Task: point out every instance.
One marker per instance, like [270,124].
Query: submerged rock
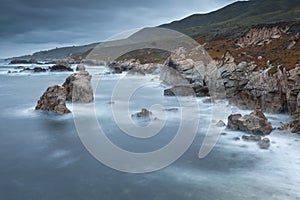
[255,123]
[220,123]
[255,138]
[264,143]
[144,113]
[54,99]
[78,87]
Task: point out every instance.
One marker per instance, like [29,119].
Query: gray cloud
[32,24]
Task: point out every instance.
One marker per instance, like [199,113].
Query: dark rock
[60,68]
[179,91]
[144,113]
[171,109]
[236,138]
[254,138]
[78,87]
[21,61]
[39,69]
[54,99]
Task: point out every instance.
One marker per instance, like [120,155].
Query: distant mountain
[60,53]
[235,17]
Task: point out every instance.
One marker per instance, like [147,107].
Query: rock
[78,87]
[223,133]
[233,121]
[264,143]
[144,113]
[220,123]
[136,71]
[179,91]
[22,61]
[60,68]
[261,35]
[172,77]
[39,69]
[293,126]
[54,99]
[80,67]
[201,91]
[264,90]
[255,138]
[255,123]
[236,138]
[171,109]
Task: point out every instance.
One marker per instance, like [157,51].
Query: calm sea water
[42,156]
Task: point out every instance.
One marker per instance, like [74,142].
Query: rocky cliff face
[262,35]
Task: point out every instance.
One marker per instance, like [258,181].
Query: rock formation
[144,113]
[255,123]
[179,91]
[54,99]
[78,87]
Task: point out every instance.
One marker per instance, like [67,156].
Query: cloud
[39,22]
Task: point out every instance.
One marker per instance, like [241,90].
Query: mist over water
[42,156]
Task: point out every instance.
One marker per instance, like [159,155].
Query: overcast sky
[28,26]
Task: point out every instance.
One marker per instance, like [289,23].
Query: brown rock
[54,99]
[255,123]
[144,113]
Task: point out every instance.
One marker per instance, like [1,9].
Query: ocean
[43,157]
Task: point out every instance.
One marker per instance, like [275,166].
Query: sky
[28,26]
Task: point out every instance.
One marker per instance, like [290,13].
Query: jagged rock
[60,68]
[80,67]
[255,123]
[170,76]
[220,123]
[54,99]
[144,113]
[293,126]
[179,91]
[293,92]
[264,143]
[200,90]
[264,90]
[78,87]
[261,35]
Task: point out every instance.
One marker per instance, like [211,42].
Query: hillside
[236,18]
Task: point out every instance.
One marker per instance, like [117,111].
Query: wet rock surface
[54,99]
[255,123]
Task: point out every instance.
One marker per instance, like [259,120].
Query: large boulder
[78,87]
[54,99]
[170,76]
[255,123]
